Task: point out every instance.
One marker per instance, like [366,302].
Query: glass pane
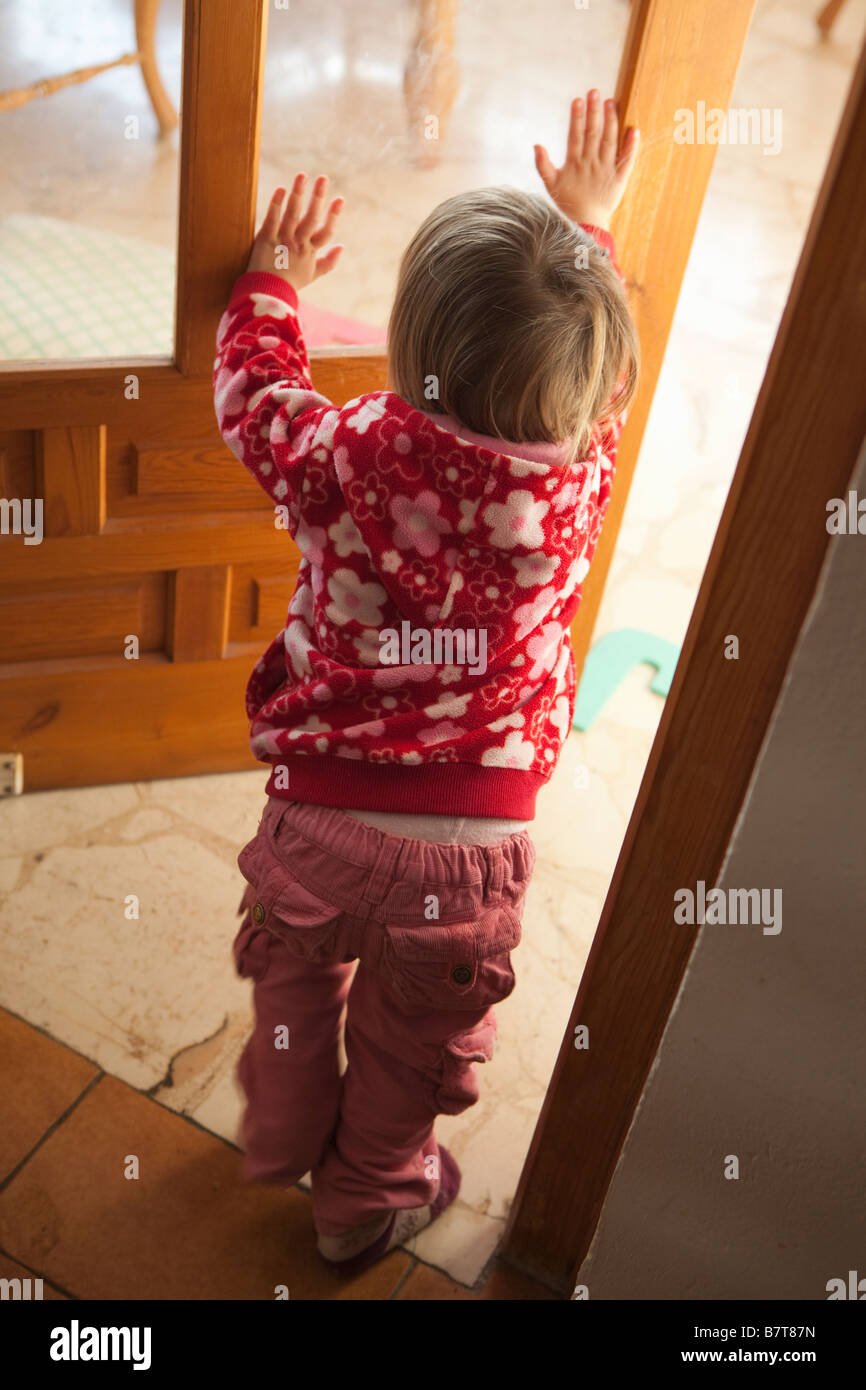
[88,228]
[500,80]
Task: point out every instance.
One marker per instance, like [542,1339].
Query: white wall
[765,1054]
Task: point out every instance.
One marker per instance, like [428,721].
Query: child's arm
[266,408]
[591,183]
[588,189]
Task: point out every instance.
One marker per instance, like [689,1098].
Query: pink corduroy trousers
[431,928]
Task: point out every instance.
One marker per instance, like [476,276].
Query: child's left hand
[293,239]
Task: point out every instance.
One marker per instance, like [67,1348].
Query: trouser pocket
[250,950]
[455,1087]
[280,905]
[452,966]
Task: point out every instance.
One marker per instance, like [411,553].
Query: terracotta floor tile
[504,1283]
[507,1283]
[10,1269]
[39,1079]
[187,1228]
[425,1284]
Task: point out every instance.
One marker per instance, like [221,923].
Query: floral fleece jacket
[406,523]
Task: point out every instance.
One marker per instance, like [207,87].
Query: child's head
[519,316]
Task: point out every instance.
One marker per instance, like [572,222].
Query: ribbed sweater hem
[455,789]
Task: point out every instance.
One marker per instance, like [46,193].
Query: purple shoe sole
[449,1186]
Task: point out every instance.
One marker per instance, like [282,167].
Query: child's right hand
[295,233]
[591,182]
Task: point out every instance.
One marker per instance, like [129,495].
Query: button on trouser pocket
[452,966]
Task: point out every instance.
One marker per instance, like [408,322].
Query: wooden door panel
[199,609]
[260,597]
[177,476]
[46,618]
[80,723]
[202,539]
[71,479]
[152,528]
[18,463]
[198,574]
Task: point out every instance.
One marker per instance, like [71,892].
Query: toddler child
[420,693]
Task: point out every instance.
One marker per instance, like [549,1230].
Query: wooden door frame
[674,56]
[801,450]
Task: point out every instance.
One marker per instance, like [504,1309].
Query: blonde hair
[518,315]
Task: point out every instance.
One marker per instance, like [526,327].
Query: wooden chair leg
[431,79]
[828,16]
[145,30]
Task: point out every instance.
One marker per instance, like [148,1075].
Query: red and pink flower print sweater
[407,524]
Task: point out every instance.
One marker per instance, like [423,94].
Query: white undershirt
[442,830]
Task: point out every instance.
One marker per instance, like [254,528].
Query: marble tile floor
[152,1005]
